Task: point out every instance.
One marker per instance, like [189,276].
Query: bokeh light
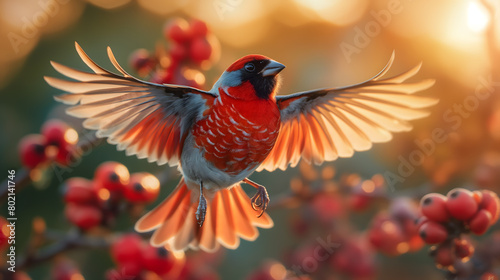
[477,17]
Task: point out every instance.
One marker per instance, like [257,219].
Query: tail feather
[229,217]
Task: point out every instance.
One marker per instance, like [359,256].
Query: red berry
[488,276]
[433,232]
[198,28]
[59,140]
[491,203]
[478,196]
[157,260]
[420,221]
[130,269]
[143,187]
[83,216]
[141,61]
[359,201]
[177,30]
[32,150]
[65,270]
[58,133]
[79,190]
[387,236]
[463,248]
[127,248]
[327,206]
[433,206]
[444,256]
[461,204]
[178,52]
[200,50]
[480,223]
[112,176]
[65,155]
[4,232]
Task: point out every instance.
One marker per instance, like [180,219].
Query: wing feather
[143,118]
[328,123]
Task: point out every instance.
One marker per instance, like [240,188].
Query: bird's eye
[250,67]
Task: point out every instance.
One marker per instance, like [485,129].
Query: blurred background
[323,44]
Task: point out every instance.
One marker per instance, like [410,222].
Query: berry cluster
[55,143]
[64,269]
[133,256]
[394,232]
[364,192]
[138,260]
[446,218]
[192,46]
[94,202]
[354,258]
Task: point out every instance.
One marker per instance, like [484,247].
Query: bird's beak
[272,68]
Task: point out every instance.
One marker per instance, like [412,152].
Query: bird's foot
[201,211]
[260,200]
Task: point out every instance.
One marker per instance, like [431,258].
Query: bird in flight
[218,138]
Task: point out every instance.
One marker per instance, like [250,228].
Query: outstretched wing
[146,119]
[322,125]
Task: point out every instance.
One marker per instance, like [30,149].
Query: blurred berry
[54,132]
[327,206]
[443,256]
[142,62]
[177,30]
[178,53]
[463,248]
[64,269]
[79,190]
[198,28]
[158,260]
[111,176]
[127,248]
[354,258]
[32,150]
[200,50]
[143,187]
[83,216]
[4,232]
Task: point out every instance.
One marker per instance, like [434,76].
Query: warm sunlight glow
[336,11]
[150,182]
[477,17]
[122,172]
[403,247]
[71,136]
[368,186]
[178,255]
[277,271]
[103,194]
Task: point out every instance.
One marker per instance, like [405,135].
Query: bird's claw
[260,200]
[201,210]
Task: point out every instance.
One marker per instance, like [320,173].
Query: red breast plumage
[234,129]
[238,134]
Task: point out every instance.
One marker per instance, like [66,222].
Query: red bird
[218,138]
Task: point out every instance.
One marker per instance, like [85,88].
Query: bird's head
[250,77]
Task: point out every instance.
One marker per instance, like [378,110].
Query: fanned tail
[229,217]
